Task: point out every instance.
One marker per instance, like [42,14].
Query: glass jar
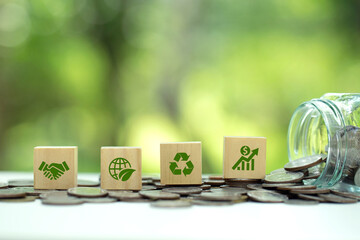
[329,125]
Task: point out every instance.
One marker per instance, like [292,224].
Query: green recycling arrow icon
[174,168]
[183,156]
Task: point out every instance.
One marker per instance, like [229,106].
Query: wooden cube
[55,167]
[244,157]
[121,168]
[180,163]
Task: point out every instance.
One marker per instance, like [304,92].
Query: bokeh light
[138,73]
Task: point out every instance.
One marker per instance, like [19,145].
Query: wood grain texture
[248,166]
[52,157]
[167,154]
[131,154]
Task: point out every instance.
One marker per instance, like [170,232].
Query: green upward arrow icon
[246,159]
[254,152]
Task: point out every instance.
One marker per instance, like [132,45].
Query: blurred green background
[97,73]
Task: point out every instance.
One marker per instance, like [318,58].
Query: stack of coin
[284,185]
[346,142]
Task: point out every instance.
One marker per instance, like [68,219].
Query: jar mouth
[312,130]
[307,133]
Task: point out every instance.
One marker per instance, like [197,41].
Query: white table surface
[122,220]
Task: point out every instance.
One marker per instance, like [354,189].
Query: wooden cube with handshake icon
[55,167]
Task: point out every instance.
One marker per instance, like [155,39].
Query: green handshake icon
[54,170]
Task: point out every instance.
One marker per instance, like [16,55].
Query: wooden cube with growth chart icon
[181,163]
[121,168]
[55,167]
[244,157]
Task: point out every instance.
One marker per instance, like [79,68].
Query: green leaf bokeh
[137,73]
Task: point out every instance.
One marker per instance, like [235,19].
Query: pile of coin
[284,185]
[346,142]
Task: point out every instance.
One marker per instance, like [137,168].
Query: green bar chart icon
[246,163]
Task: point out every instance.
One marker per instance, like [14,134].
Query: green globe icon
[117,165]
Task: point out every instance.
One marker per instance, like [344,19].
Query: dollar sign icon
[245,150]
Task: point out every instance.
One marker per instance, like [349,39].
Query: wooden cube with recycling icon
[181,163]
[244,157]
[55,167]
[121,168]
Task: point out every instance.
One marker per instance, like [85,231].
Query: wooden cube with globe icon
[121,168]
[181,163]
[244,157]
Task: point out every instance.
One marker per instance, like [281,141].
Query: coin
[158,185]
[243,198]
[10,193]
[242,180]
[267,196]
[214,182]
[99,200]
[287,177]
[310,191]
[87,183]
[155,179]
[54,194]
[280,170]
[147,182]
[345,194]
[303,163]
[337,199]
[312,175]
[301,202]
[311,197]
[206,187]
[276,185]
[24,199]
[297,187]
[171,204]
[237,182]
[148,187]
[30,191]
[23,189]
[138,200]
[236,190]
[159,195]
[192,196]
[3,185]
[21,183]
[357,177]
[254,186]
[37,192]
[211,203]
[115,193]
[87,192]
[125,195]
[317,168]
[221,196]
[183,191]
[62,201]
